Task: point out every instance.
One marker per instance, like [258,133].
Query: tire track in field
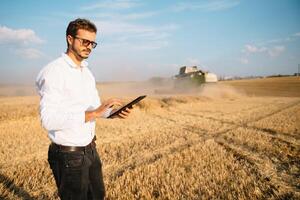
[144,158]
[278,169]
[143,143]
[231,113]
[255,161]
[268,190]
[138,159]
[182,142]
[132,162]
[284,178]
[296,103]
[283,182]
[176,149]
[273,133]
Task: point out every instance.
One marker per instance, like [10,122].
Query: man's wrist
[90,115]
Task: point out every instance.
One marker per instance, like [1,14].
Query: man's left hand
[124,114]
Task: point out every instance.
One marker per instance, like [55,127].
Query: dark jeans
[78,175]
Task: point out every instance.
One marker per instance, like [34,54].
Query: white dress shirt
[66,92]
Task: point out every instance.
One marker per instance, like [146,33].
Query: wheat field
[233,140]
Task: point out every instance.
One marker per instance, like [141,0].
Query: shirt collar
[71,63]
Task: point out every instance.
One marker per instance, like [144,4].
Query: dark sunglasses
[86,42]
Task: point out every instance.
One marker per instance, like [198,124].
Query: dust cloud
[167,87]
[220,91]
[17,90]
[152,88]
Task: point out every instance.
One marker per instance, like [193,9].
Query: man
[69,105]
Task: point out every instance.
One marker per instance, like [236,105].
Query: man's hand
[124,114]
[90,115]
[106,105]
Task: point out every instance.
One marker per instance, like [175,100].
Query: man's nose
[90,46]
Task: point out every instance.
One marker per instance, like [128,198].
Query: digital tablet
[129,105]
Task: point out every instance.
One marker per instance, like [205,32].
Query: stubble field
[232,140]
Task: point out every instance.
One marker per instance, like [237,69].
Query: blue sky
[142,39]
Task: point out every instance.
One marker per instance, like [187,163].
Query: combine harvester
[192,76]
[189,78]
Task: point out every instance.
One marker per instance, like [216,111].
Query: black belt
[74,148]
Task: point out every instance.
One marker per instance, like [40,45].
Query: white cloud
[20,42]
[250,48]
[28,53]
[279,41]
[297,34]
[18,36]
[206,6]
[254,49]
[274,51]
[115,27]
[121,27]
[114,5]
[135,36]
[122,33]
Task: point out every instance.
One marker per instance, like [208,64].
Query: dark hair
[77,24]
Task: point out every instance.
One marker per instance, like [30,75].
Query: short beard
[77,54]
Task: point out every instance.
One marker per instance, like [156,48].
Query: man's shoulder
[56,64]
[52,72]
[54,67]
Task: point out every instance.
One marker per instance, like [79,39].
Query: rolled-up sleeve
[97,102]
[54,116]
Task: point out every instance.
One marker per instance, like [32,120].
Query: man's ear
[70,40]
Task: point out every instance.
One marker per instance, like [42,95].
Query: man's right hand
[106,105]
[90,115]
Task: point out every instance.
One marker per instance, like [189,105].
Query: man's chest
[78,84]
